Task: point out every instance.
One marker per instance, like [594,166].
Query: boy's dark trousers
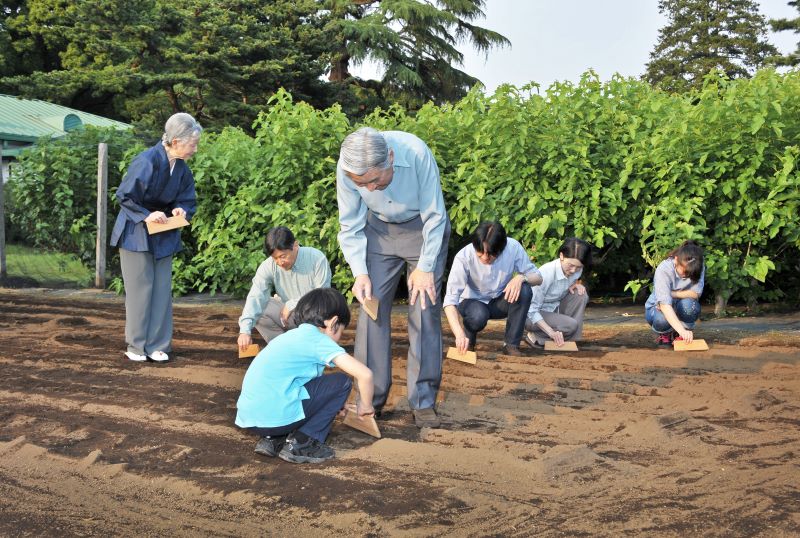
[327,396]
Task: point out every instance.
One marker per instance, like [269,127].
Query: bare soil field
[618,439]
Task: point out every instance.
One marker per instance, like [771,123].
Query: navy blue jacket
[147,187]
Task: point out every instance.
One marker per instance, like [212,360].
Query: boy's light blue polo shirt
[272,389]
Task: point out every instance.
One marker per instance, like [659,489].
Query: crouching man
[490,279]
[289,272]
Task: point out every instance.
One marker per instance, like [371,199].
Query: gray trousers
[391,248]
[568,319]
[269,324]
[148,301]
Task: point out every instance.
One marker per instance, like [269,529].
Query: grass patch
[30,267]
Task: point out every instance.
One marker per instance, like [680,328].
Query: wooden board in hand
[370,306]
[362,424]
[552,346]
[171,224]
[468,356]
[250,351]
[696,345]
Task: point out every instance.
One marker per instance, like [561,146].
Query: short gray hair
[363,150]
[180,126]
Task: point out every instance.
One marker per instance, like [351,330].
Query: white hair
[180,126]
[363,150]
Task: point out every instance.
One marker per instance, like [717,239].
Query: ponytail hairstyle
[690,256]
[579,250]
[319,305]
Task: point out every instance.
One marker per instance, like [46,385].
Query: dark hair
[493,235]
[690,256]
[278,238]
[321,304]
[577,249]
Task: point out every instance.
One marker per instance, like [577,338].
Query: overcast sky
[560,39]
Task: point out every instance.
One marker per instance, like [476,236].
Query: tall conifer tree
[793,25]
[413,40]
[706,35]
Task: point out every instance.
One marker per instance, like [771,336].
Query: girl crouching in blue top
[674,306]
[285,396]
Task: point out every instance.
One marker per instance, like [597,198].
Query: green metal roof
[26,120]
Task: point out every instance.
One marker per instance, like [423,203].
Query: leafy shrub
[633,170]
[54,190]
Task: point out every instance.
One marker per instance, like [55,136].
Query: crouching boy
[285,397]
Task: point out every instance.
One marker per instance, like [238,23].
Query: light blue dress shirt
[309,272]
[554,287]
[666,280]
[414,191]
[471,279]
[273,387]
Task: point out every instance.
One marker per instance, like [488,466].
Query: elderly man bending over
[290,272]
[392,219]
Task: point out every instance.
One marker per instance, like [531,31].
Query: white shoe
[159,356]
[135,356]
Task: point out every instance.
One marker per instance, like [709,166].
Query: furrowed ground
[617,439]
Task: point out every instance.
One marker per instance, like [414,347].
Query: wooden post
[102,209]
[3,269]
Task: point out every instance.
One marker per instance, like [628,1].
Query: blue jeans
[687,310]
[327,396]
[476,314]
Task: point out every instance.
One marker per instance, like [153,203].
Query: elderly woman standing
[158,183]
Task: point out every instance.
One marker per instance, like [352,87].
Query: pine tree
[781,25]
[706,35]
[413,40]
[143,60]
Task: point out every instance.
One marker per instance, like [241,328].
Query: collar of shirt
[400,160]
[559,270]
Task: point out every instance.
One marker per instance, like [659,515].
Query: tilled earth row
[619,438]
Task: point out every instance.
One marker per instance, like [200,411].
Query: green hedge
[629,168]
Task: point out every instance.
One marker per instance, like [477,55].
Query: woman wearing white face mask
[558,304]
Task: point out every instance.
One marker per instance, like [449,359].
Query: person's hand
[578,288]
[558,338]
[511,292]
[462,343]
[245,340]
[420,283]
[285,313]
[364,409]
[156,216]
[687,335]
[362,288]
[179,212]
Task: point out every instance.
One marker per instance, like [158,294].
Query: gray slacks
[568,319]
[391,248]
[148,301]
[269,324]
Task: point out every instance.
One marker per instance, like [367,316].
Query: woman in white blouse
[558,303]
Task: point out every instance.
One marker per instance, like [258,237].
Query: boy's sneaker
[312,451]
[270,446]
[665,339]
